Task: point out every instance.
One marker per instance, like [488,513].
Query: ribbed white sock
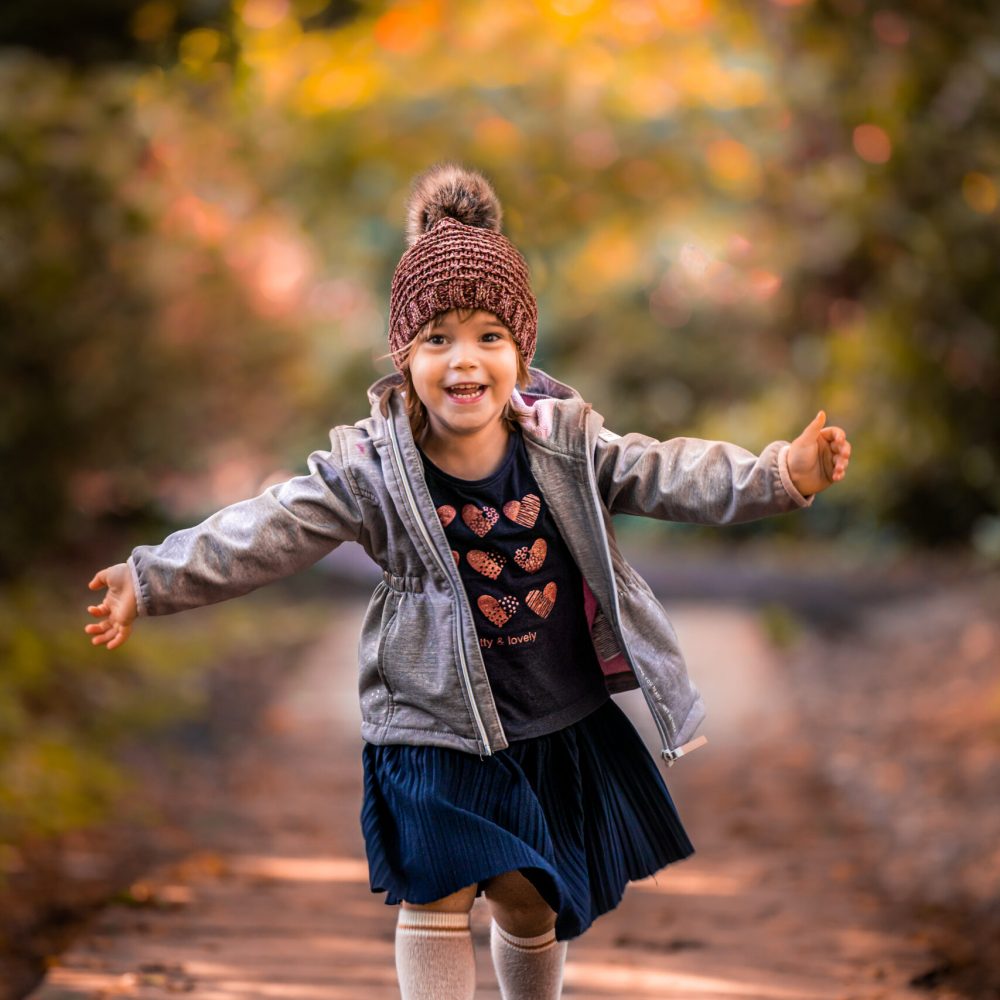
[528,968]
[434,956]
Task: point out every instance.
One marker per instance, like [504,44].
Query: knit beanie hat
[457,257]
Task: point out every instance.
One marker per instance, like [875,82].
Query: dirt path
[273,900]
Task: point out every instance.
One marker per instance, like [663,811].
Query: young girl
[495,761]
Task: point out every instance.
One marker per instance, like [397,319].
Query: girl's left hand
[819,456]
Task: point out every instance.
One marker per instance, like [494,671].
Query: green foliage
[67,707]
[138,343]
[734,216]
[901,171]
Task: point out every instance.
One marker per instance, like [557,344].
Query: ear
[523,374]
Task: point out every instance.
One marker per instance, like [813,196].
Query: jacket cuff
[140,602]
[786,479]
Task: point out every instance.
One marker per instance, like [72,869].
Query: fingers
[840,450]
[108,634]
[122,634]
[102,633]
[835,453]
[814,425]
[841,453]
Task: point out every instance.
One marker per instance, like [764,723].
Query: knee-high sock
[434,956]
[528,968]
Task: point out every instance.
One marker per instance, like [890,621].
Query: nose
[462,357]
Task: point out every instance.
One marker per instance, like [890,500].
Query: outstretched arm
[715,482]
[249,544]
[693,479]
[238,549]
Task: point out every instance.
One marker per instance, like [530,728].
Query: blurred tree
[151,300]
[92,32]
[733,215]
[888,199]
[95,32]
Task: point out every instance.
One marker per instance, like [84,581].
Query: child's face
[478,355]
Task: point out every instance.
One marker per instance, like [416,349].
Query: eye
[491,333]
[435,338]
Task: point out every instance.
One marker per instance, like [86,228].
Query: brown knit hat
[459,258]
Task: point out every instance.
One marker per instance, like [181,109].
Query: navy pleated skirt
[579,812]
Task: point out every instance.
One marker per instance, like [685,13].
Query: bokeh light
[872,143]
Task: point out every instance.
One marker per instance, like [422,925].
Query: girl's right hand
[118,609]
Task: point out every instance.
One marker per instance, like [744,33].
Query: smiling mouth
[466,392]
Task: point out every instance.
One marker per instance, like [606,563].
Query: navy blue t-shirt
[525,592]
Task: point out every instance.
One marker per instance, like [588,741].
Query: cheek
[509,366]
[420,373]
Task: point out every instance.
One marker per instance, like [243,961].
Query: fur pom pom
[448,190]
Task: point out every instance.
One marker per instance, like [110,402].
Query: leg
[434,956]
[516,905]
[457,902]
[528,960]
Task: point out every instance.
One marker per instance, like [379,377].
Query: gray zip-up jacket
[422,679]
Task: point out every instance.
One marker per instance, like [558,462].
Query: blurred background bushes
[734,214]
[64,723]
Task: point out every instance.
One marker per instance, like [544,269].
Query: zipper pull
[672,756]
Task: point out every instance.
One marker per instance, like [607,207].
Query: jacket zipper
[414,510]
[667,753]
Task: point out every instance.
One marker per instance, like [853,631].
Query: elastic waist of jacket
[412,583]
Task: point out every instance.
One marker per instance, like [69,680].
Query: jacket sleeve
[251,543]
[691,479]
